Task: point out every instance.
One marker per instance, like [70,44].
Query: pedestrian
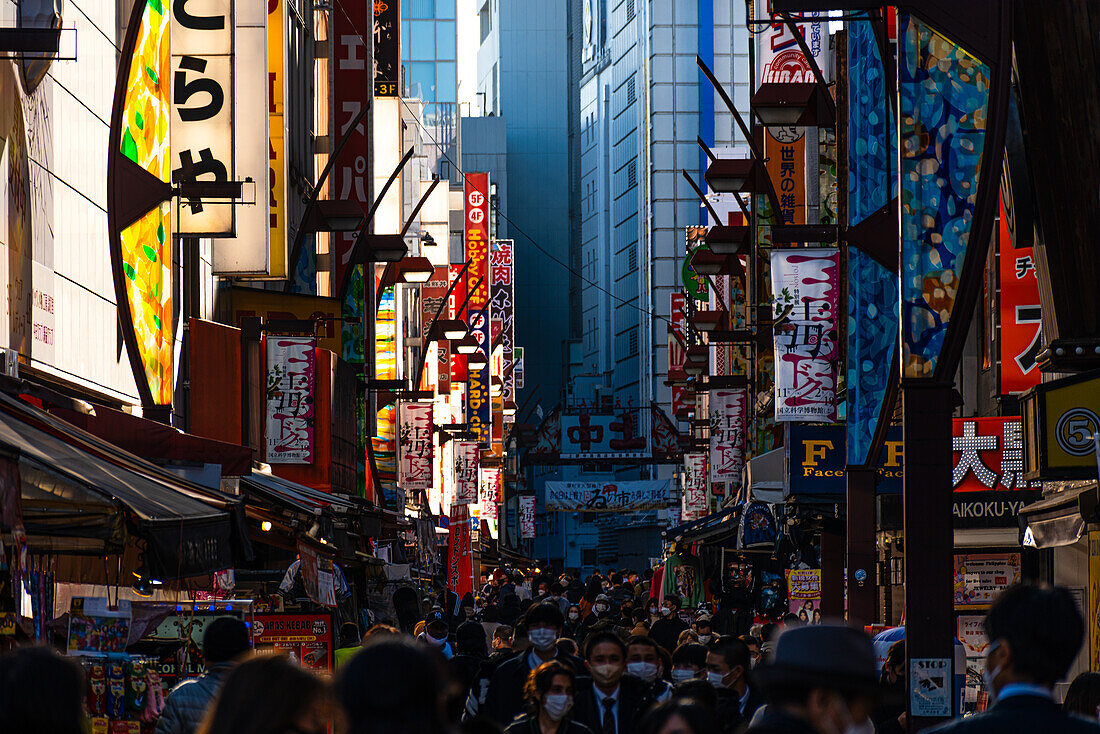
[224,643]
[504,698]
[688,635]
[889,715]
[601,613]
[293,700]
[823,680]
[666,630]
[394,686]
[1083,696]
[728,669]
[679,716]
[350,640]
[612,702]
[503,637]
[1034,635]
[549,695]
[435,633]
[703,628]
[471,651]
[643,660]
[689,662]
[41,692]
[754,644]
[572,621]
[557,596]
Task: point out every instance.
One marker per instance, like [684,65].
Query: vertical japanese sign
[489,495]
[456,311]
[277,127]
[805,292]
[417,452]
[351,85]
[432,294]
[502,300]
[695,486]
[387,48]
[527,517]
[728,421]
[1021,328]
[289,389]
[201,130]
[476,225]
[677,355]
[785,148]
[467,459]
[460,578]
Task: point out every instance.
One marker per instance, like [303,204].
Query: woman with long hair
[269,694]
[549,698]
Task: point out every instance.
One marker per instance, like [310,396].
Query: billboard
[988,454]
[607,496]
[1021,327]
[289,406]
[816,461]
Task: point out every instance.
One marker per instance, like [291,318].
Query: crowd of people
[524,664]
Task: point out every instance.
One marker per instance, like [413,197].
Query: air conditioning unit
[9,365]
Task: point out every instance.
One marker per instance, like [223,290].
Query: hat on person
[703,618]
[832,656]
[604,598]
[435,616]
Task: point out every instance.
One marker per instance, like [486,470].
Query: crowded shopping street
[549,367]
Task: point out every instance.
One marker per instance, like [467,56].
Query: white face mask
[574,616]
[716,679]
[645,670]
[557,705]
[601,608]
[543,638]
[666,611]
[704,639]
[679,675]
[989,677]
[434,641]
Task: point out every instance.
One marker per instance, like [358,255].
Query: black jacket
[528,724]
[666,631]
[728,709]
[777,722]
[1021,714]
[504,698]
[635,698]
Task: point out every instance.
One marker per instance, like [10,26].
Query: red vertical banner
[351,84]
[476,224]
[460,567]
[677,355]
[1021,330]
[456,311]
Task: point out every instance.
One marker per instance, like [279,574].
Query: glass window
[423,8]
[445,41]
[422,40]
[445,82]
[444,8]
[422,81]
[405,41]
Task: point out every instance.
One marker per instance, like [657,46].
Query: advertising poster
[930,686]
[1021,328]
[95,629]
[695,486]
[527,517]
[306,638]
[805,292]
[804,593]
[460,578]
[980,577]
[728,419]
[467,459]
[476,225]
[417,450]
[607,496]
[289,393]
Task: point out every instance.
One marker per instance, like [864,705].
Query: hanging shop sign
[804,593]
[993,509]
[785,148]
[527,517]
[682,397]
[805,292]
[289,390]
[695,285]
[695,487]
[467,459]
[607,496]
[728,419]
[277,133]
[502,305]
[1060,418]
[387,48]
[980,577]
[432,294]
[517,370]
[455,311]
[417,450]
[489,495]
[255,302]
[476,227]
[816,462]
[460,574]
[611,438]
[306,638]
[779,59]
[987,454]
[1021,335]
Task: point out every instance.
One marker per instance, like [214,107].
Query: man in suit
[1034,636]
[613,702]
[728,664]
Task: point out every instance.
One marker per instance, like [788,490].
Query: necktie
[608,716]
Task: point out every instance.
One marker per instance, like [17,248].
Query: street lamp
[705,262]
[707,320]
[453,329]
[383,248]
[416,269]
[698,355]
[476,360]
[510,408]
[728,240]
[468,345]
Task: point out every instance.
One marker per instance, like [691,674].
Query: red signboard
[476,226]
[432,294]
[1021,330]
[988,453]
[306,638]
[351,82]
[455,311]
[460,578]
[682,398]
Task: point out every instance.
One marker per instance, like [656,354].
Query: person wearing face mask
[1034,635]
[822,680]
[504,698]
[666,630]
[728,667]
[689,662]
[600,618]
[435,633]
[549,698]
[612,702]
[572,622]
[643,660]
[654,611]
[703,628]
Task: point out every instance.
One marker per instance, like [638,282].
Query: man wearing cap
[822,681]
[1034,634]
[435,633]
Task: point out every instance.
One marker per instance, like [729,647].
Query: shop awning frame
[1061,518]
[714,527]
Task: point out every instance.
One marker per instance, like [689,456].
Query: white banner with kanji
[527,517]
[695,487]
[728,418]
[414,442]
[467,458]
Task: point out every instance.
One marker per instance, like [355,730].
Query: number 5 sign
[1061,419]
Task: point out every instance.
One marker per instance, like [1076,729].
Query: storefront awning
[766,474]
[1060,518]
[298,496]
[709,528]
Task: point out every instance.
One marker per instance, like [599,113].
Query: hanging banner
[682,397]
[805,296]
[467,458]
[502,306]
[1021,328]
[527,517]
[417,451]
[387,48]
[290,381]
[476,218]
[804,594]
[607,496]
[695,487]
[455,311]
[460,578]
[489,495]
[729,411]
[432,294]
[277,131]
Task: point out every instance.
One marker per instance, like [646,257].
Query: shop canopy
[81,495]
[1060,518]
[766,473]
[715,527]
[299,497]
